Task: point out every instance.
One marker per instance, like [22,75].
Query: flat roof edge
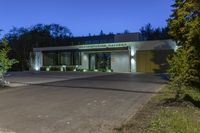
[103,45]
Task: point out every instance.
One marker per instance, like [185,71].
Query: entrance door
[103,61]
[100,61]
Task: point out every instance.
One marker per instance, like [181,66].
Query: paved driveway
[90,103]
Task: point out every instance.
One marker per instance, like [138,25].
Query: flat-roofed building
[132,56]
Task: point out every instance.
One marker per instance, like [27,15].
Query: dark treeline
[23,40]
[150,33]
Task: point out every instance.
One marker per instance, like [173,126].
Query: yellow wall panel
[152,61]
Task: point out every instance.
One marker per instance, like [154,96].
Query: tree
[150,33]
[146,32]
[0,32]
[23,40]
[5,62]
[126,31]
[184,28]
[57,30]
[101,33]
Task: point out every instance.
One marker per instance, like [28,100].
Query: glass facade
[100,61]
[61,58]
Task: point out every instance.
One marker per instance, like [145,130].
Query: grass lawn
[164,114]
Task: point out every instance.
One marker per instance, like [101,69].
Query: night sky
[85,16]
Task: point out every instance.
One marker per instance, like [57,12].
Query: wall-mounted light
[133,51]
[133,58]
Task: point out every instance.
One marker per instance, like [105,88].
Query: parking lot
[74,102]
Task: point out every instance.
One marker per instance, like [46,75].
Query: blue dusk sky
[85,16]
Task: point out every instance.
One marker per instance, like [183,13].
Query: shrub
[79,69]
[55,68]
[70,68]
[183,69]
[43,68]
[5,62]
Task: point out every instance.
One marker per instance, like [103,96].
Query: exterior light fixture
[133,58]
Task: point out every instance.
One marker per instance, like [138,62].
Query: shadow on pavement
[98,88]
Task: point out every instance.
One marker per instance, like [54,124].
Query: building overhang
[139,45]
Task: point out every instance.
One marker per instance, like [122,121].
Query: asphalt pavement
[74,102]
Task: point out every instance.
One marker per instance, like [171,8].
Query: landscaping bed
[165,114]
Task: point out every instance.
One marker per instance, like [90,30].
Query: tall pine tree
[184,27]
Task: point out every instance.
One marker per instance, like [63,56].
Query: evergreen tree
[23,40]
[150,33]
[184,28]
[101,33]
[126,31]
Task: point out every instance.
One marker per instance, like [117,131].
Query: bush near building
[5,62]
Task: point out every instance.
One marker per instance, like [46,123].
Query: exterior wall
[120,61]
[153,61]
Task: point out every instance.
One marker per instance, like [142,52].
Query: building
[120,53]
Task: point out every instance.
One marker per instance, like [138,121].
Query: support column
[85,60]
